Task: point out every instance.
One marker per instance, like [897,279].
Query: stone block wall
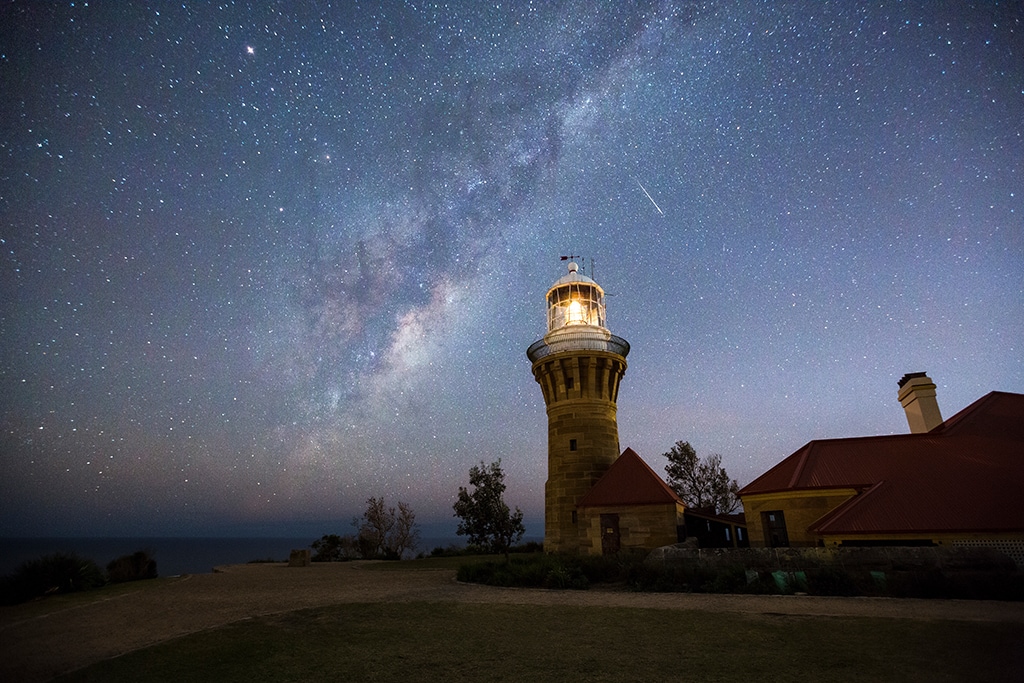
[800,508]
[579,388]
[640,526]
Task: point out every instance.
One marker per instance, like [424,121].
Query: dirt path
[41,640]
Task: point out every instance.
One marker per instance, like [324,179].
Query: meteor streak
[649,196]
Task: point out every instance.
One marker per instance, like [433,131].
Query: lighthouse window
[572,444]
[575,304]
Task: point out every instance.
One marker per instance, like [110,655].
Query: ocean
[173,555]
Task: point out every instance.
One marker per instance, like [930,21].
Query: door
[609,534]
[774,523]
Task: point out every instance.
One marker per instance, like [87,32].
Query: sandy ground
[37,643]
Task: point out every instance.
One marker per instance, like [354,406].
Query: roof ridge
[956,421]
[847,506]
[611,483]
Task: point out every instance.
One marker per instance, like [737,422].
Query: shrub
[646,577]
[609,568]
[564,577]
[528,547]
[728,579]
[335,548]
[533,571]
[135,567]
[544,571]
[832,580]
[56,573]
[731,573]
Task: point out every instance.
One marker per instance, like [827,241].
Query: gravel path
[37,643]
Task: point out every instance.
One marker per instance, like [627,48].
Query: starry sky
[262,261]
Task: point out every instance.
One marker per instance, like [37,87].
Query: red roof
[964,475]
[629,481]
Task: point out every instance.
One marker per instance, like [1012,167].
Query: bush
[335,548]
[724,572]
[542,571]
[56,573]
[729,579]
[135,567]
[832,580]
[470,549]
[524,572]
[566,578]
[528,547]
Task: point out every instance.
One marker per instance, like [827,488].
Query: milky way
[262,263]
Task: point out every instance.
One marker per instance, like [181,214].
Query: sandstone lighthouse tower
[578,365]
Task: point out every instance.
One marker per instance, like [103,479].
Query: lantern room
[575,300]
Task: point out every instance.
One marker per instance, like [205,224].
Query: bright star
[250,49]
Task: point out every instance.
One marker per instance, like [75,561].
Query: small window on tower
[570,382]
[572,444]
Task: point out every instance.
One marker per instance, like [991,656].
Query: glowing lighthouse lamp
[575,300]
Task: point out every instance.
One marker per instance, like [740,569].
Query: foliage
[383,532]
[726,573]
[405,534]
[56,573]
[533,571]
[453,550]
[701,484]
[334,548]
[576,572]
[484,516]
[139,565]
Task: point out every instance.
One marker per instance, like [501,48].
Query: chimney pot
[917,395]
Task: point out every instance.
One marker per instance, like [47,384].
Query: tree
[701,484]
[373,527]
[484,515]
[335,548]
[405,535]
[383,532]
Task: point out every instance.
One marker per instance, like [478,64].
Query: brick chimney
[917,394]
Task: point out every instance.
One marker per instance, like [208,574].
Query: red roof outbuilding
[965,475]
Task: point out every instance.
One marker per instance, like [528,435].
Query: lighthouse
[578,364]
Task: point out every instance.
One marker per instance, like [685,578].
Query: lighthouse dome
[575,299]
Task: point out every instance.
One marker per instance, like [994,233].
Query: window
[570,382]
[572,444]
[573,516]
[576,303]
[774,523]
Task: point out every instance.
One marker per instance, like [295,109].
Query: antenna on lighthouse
[573,265]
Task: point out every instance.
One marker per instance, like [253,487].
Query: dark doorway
[609,534]
[774,523]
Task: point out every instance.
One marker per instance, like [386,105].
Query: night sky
[262,263]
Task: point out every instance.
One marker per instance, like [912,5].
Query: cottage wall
[800,510]
[640,526]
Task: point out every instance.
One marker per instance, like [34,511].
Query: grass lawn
[467,642]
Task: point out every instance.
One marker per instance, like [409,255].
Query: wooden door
[609,534]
